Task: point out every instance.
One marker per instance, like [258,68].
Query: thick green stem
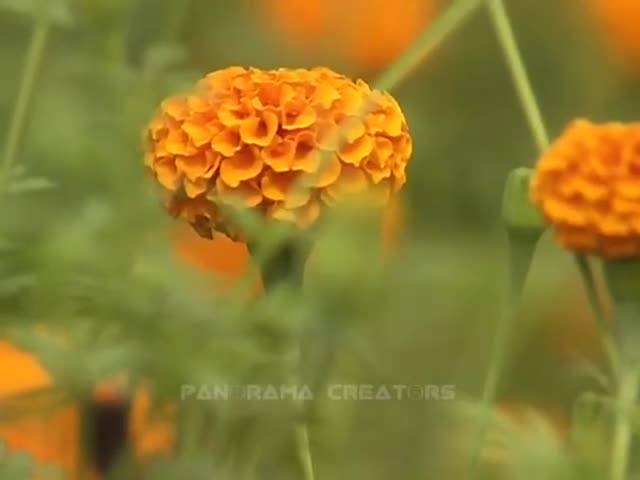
[287,263]
[29,76]
[623,434]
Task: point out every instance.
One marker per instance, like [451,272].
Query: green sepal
[517,210]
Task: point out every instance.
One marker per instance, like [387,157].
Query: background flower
[618,21]
[368,34]
[588,187]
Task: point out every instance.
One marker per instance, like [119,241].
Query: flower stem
[287,264]
[608,341]
[445,24]
[29,76]
[527,98]
[519,75]
[627,395]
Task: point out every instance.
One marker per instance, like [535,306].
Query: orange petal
[324,95]
[354,152]
[351,180]
[243,165]
[279,155]
[259,130]
[177,143]
[248,193]
[227,142]
[327,135]
[285,187]
[306,157]
[296,114]
[328,172]
[175,107]
[167,173]
[273,95]
[196,187]
[233,115]
[198,133]
[192,167]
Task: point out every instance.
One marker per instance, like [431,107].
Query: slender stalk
[518,72]
[304,451]
[444,25]
[608,341]
[30,73]
[627,395]
[526,95]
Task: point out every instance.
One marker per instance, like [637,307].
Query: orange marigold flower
[588,187]
[369,34]
[254,138]
[619,20]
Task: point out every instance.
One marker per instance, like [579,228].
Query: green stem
[444,25]
[287,263]
[304,451]
[518,72]
[498,356]
[627,395]
[29,76]
[608,340]
[531,109]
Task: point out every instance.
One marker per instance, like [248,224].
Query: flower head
[588,187]
[251,137]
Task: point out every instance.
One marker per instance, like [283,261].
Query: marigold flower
[368,34]
[588,187]
[50,432]
[253,137]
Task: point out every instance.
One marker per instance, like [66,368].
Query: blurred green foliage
[85,248]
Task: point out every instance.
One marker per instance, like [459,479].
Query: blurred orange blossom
[369,34]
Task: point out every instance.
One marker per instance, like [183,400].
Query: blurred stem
[29,76]
[445,24]
[287,264]
[510,49]
[608,341]
[530,106]
[627,395]
[514,286]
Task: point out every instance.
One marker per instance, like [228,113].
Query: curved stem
[29,76]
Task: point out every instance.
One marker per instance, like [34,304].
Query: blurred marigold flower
[34,420]
[250,137]
[619,20]
[368,34]
[587,186]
